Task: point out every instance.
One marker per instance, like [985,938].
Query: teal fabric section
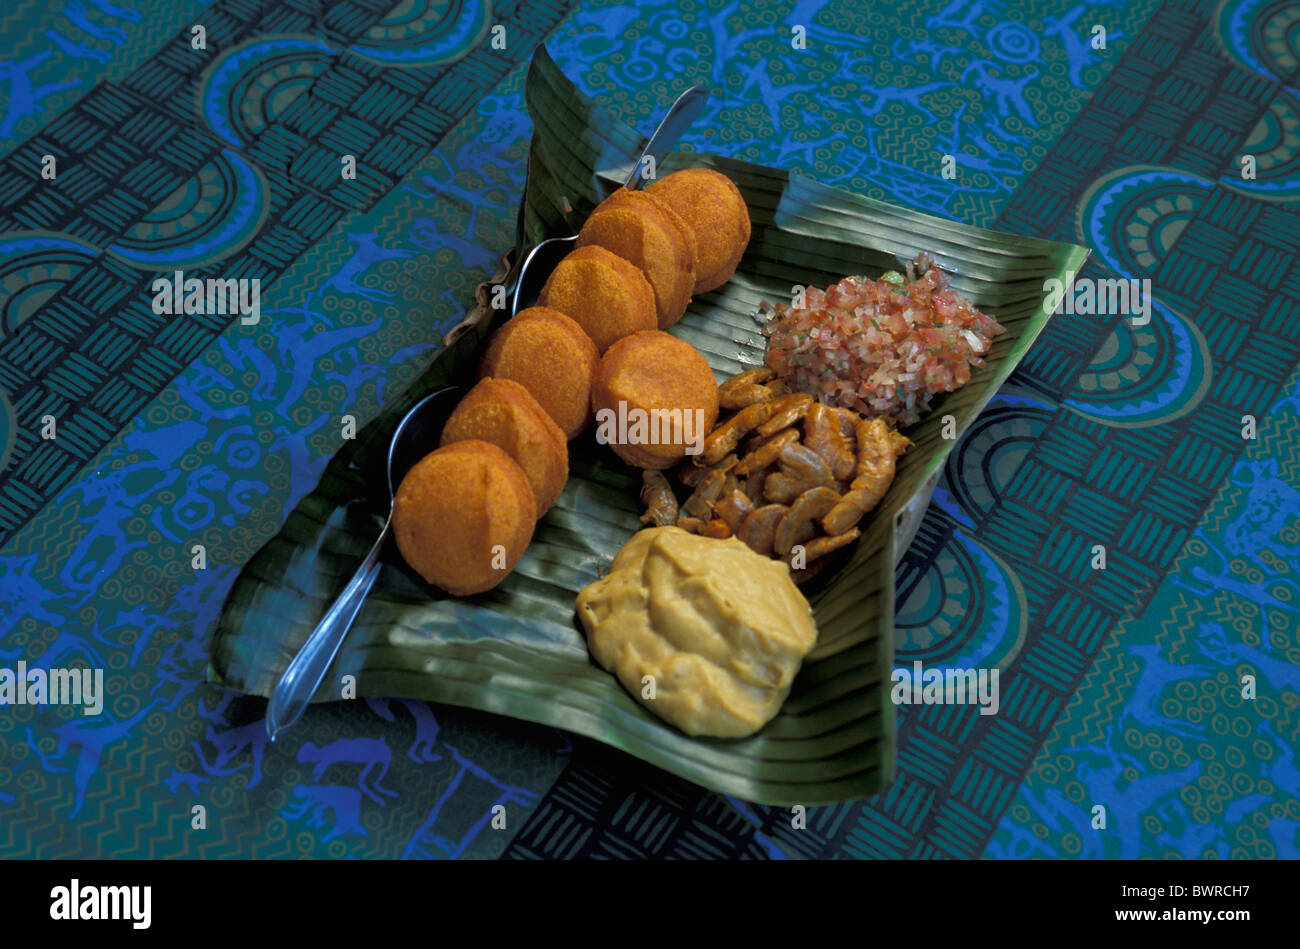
[177,433]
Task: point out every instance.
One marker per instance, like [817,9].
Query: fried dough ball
[651,235]
[666,384]
[463,516]
[502,412]
[553,358]
[712,208]
[601,292]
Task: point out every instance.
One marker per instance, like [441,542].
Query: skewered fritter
[651,236]
[463,516]
[711,206]
[503,412]
[552,357]
[664,384]
[606,295]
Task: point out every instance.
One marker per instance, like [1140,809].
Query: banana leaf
[518,649]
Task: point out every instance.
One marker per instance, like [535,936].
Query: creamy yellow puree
[720,630]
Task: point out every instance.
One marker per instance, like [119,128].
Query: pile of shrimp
[789,476]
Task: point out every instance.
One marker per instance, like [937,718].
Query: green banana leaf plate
[518,649]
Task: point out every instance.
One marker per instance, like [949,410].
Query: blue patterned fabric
[202,431]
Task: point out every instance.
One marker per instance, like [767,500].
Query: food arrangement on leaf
[806,450]
[810,444]
[493,609]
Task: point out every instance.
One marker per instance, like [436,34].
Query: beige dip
[720,629]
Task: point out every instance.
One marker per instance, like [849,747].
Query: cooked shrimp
[752,483]
[800,522]
[848,420]
[706,493]
[717,528]
[733,508]
[816,555]
[657,495]
[726,436]
[802,576]
[785,412]
[819,547]
[745,388]
[878,448]
[800,461]
[706,528]
[782,488]
[691,474]
[766,453]
[822,432]
[759,529]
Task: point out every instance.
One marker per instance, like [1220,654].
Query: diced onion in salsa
[879,347]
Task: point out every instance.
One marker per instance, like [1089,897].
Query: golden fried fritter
[712,207]
[463,516]
[502,412]
[665,386]
[650,235]
[553,358]
[604,294]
